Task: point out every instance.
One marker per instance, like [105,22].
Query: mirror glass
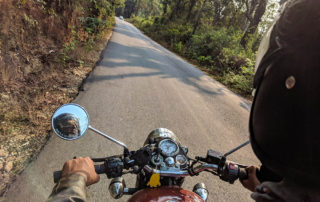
[70,121]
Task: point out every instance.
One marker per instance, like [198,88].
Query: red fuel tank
[165,194]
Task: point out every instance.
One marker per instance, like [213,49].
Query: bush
[136,20]
[210,42]
[242,81]
[92,25]
[204,60]
[178,47]
[147,23]
[177,33]
[101,9]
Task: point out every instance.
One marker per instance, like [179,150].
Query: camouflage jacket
[71,188]
[285,192]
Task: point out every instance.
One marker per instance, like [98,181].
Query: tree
[147,8]
[191,5]
[236,14]
[219,7]
[196,24]
[249,13]
[175,9]
[129,8]
[254,22]
[282,2]
[165,4]
[137,7]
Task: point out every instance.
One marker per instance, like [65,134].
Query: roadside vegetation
[219,36]
[47,48]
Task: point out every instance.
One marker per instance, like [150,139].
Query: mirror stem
[126,150]
[235,149]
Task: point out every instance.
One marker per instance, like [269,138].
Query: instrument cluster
[169,156]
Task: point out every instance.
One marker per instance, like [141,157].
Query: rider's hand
[252,180]
[82,166]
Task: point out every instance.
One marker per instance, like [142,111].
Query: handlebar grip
[56,176]
[100,169]
[243,174]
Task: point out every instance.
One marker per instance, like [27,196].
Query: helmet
[285,112]
[67,125]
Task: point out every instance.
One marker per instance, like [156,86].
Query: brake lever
[94,159]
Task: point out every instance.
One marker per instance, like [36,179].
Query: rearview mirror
[70,121]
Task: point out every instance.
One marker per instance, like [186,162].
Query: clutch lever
[98,159]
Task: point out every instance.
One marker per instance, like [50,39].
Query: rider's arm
[76,175]
[70,188]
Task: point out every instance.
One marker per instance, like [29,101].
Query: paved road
[139,86]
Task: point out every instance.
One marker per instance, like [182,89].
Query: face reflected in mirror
[70,121]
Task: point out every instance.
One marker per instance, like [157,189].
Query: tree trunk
[175,10]
[151,8]
[217,12]
[261,8]
[137,8]
[196,24]
[219,6]
[192,4]
[282,2]
[165,7]
[249,13]
[235,18]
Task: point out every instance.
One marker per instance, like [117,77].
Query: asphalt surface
[139,86]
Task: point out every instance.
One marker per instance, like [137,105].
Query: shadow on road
[149,55]
[245,105]
[122,30]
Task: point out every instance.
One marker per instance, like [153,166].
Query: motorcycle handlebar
[229,175]
[243,174]
[100,169]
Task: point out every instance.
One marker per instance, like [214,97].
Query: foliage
[241,81]
[211,42]
[94,17]
[204,60]
[92,25]
[221,35]
[30,21]
[217,49]
[178,47]
[103,9]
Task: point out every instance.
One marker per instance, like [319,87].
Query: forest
[220,36]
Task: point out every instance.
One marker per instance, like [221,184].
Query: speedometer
[168,147]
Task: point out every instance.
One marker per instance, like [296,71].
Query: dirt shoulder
[44,58]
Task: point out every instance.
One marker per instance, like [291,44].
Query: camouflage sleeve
[285,191]
[71,188]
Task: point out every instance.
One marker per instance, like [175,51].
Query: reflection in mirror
[70,121]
